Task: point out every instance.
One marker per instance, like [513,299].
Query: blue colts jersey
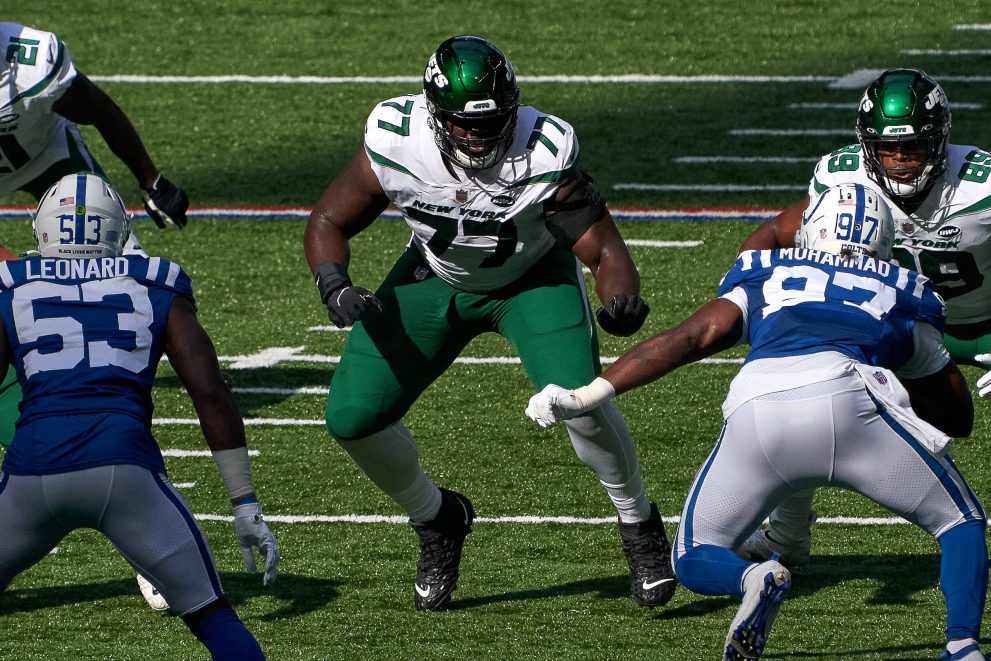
[801,301]
[86,338]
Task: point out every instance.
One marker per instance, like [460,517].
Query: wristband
[235,471]
[329,277]
[595,394]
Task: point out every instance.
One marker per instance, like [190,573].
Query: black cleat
[441,541]
[648,553]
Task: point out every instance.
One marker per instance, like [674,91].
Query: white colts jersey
[477,231]
[35,70]
[948,238]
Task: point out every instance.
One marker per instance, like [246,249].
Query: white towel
[887,389]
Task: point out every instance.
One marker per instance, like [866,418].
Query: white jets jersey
[948,238]
[481,230]
[35,70]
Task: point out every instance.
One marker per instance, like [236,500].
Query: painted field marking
[973,26]
[946,53]
[296,357]
[631,78]
[852,107]
[522,520]
[791,132]
[183,454]
[707,188]
[22,214]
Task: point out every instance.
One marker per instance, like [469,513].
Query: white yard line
[521,520]
[852,107]
[183,454]
[792,132]
[631,78]
[461,360]
[945,53]
[707,188]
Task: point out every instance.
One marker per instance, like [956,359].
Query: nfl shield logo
[908,227]
[461,196]
[880,378]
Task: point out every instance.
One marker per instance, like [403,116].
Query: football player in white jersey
[940,199]
[498,210]
[42,99]
[84,328]
[817,403]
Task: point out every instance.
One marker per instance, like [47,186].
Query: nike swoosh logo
[460,502]
[648,585]
[423,592]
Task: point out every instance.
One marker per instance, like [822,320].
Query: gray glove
[252,532]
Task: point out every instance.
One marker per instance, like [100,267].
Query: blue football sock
[227,638]
[709,569]
[963,578]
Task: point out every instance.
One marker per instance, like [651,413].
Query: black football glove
[166,203]
[345,302]
[623,316]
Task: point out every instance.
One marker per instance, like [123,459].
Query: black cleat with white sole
[648,553]
[441,541]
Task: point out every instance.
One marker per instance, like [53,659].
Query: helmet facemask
[474,141]
[903,125]
[472,98]
[912,177]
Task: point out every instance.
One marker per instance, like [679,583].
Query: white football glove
[984,383]
[555,403]
[541,408]
[252,531]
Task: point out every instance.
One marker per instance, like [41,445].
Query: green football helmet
[907,110]
[472,98]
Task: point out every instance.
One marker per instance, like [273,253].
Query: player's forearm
[324,242]
[615,275]
[649,360]
[123,140]
[714,327]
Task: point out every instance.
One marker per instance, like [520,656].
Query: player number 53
[75,348]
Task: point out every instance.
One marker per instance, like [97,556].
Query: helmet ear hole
[848,220]
[81,216]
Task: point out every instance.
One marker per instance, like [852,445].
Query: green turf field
[736,75]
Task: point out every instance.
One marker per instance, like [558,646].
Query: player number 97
[849,230]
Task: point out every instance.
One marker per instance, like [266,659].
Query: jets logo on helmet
[472,98]
[81,216]
[848,220]
[903,125]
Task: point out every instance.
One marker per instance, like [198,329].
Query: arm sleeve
[738,297]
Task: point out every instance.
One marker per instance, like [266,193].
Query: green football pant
[391,357]
[963,351]
[10,397]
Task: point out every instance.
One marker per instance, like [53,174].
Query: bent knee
[352,422]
